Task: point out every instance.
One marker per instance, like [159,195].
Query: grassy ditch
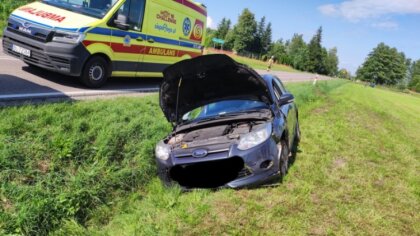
[87,168]
[357,173]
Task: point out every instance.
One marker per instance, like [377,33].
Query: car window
[94,8]
[280,85]
[277,90]
[133,10]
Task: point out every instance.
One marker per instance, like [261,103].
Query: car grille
[188,154]
[38,33]
[37,36]
[245,172]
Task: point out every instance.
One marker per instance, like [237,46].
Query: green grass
[87,168]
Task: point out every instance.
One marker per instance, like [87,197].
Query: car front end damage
[222,113]
[216,156]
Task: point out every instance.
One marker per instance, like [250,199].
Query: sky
[355,27]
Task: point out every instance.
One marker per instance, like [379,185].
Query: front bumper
[63,58]
[253,171]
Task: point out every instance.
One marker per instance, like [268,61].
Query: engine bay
[219,134]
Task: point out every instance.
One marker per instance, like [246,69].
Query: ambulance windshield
[94,8]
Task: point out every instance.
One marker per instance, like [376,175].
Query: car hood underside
[207,79]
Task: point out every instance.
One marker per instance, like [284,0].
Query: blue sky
[355,27]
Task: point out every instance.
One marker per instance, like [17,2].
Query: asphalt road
[19,82]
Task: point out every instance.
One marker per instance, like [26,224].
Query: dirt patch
[43,166]
[317,231]
[6,204]
[324,108]
[321,110]
[339,163]
[315,198]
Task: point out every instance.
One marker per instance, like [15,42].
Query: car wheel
[95,73]
[283,157]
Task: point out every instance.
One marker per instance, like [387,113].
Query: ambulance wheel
[95,73]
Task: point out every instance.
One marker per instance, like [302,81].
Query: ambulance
[96,39]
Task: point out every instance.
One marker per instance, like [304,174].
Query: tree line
[254,39]
[387,66]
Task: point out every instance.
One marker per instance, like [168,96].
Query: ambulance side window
[134,11]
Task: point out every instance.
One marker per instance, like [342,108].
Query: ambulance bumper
[63,58]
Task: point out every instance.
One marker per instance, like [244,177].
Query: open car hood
[207,79]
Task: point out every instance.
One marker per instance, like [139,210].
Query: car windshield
[94,8]
[222,108]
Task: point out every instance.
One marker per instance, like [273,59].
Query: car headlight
[162,151]
[255,138]
[68,37]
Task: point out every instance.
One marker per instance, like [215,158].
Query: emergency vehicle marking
[186,26]
[192,6]
[147,50]
[127,41]
[47,26]
[162,52]
[166,16]
[120,33]
[43,14]
[165,28]
[197,34]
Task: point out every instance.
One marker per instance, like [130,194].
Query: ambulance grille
[37,55]
[38,36]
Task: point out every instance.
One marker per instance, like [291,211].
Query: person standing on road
[315,79]
[270,63]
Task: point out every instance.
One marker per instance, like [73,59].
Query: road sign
[216,40]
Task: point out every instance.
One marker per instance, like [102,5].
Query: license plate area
[21,50]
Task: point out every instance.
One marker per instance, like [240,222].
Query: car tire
[95,73]
[284,154]
[296,140]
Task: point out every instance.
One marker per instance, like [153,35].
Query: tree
[223,29]
[229,40]
[257,47]
[266,38]
[414,83]
[278,50]
[210,35]
[316,62]
[384,65]
[331,63]
[244,31]
[344,74]
[298,52]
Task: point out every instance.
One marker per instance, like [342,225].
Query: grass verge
[87,168]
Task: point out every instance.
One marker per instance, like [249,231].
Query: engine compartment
[225,133]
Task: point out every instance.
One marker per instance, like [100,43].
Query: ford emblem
[200,153]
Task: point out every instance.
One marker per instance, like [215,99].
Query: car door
[288,110]
[129,44]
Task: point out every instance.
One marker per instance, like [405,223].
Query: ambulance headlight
[68,37]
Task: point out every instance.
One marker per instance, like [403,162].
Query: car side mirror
[121,22]
[286,98]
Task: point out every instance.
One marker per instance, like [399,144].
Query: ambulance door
[128,42]
[162,42]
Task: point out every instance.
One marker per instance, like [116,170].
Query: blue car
[231,127]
